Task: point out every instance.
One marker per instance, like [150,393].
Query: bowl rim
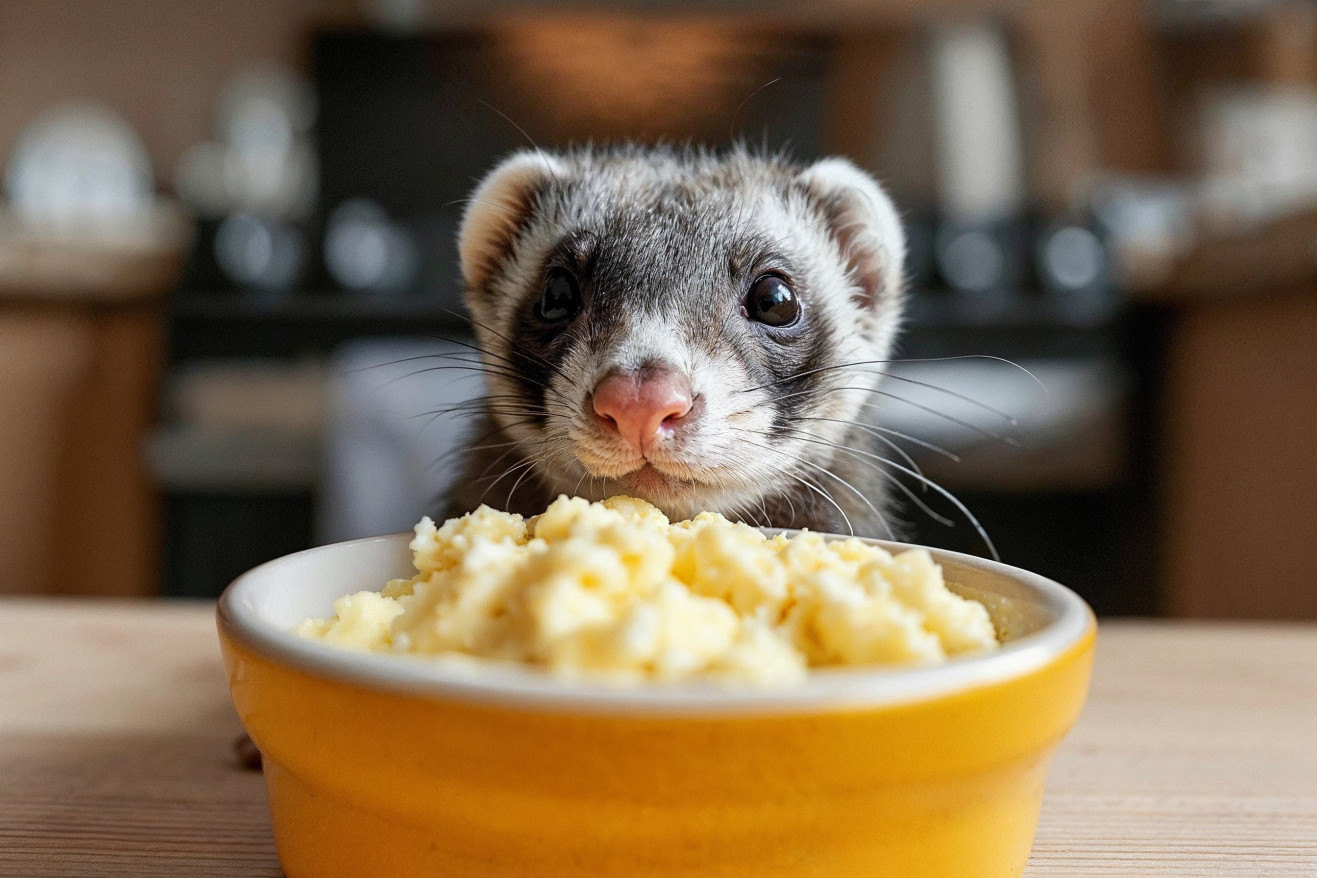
[482,682]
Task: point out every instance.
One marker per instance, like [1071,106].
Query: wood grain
[1194,756]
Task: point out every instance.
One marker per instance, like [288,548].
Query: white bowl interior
[295,587]
[1038,619]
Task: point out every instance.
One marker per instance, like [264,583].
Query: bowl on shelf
[392,765]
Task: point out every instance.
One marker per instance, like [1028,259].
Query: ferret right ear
[497,209]
[864,223]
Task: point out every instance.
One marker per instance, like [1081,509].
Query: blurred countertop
[131,262]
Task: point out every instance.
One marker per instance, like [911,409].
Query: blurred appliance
[989,249]
[981,186]
[254,185]
[262,160]
[365,250]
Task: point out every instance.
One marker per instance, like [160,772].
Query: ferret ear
[498,208]
[864,223]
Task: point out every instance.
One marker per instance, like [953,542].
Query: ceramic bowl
[395,766]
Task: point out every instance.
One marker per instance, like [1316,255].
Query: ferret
[702,330]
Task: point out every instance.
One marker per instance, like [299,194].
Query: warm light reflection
[613,77]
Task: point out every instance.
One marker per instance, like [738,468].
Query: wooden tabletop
[1196,755]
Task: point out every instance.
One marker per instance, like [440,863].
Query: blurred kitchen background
[227,230]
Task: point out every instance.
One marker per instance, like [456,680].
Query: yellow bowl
[393,766]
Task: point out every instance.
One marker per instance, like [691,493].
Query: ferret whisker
[506,366]
[754,515]
[984,431]
[472,367]
[746,512]
[819,369]
[512,408]
[435,414]
[901,486]
[815,487]
[955,501]
[543,156]
[871,405]
[481,406]
[516,467]
[473,402]
[1010,419]
[532,414]
[822,492]
[468,450]
[473,200]
[396,362]
[478,444]
[731,124]
[511,344]
[515,446]
[527,471]
[526,417]
[743,513]
[856,491]
[443,457]
[503,366]
[494,479]
[912,439]
[1011,363]
[883,439]
[889,478]
[438,354]
[484,370]
[736,512]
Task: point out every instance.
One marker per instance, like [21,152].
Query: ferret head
[678,325]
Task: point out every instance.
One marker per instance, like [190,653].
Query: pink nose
[641,404]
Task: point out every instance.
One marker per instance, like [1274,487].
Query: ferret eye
[561,298]
[772,302]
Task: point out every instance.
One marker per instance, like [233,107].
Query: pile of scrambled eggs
[613,590]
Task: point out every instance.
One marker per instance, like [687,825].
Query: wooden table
[1196,756]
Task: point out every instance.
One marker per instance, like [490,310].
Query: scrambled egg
[613,590]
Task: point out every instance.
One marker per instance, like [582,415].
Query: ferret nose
[640,405]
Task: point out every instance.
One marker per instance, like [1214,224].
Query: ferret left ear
[497,210]
[864,223]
